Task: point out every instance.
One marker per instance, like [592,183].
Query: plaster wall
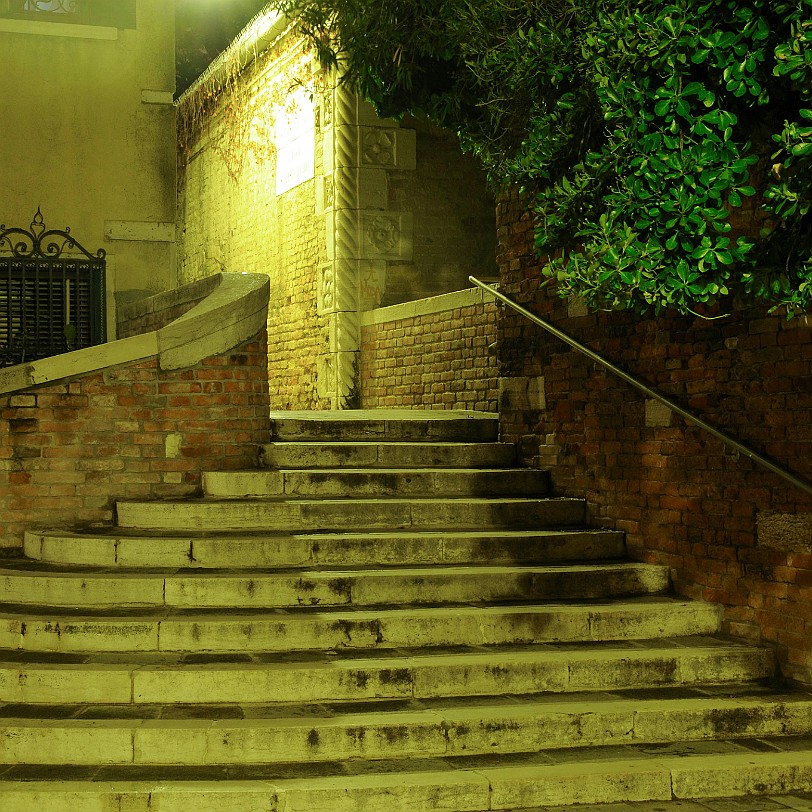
[89,137]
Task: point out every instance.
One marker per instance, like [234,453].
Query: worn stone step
[785,802]
[243,678]
[28,584]
[478,784]
[388,425]
[386,455]
[381,482]
[113,549]
[338,514]
[324,630]
[496,726]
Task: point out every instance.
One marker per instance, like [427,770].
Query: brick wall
[731,532]
[431,354]
[232,220]
[69,450]
[319,242]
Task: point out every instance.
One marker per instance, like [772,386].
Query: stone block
[522,394]
[452,791]
[658,415]
[580,783]
[576,307]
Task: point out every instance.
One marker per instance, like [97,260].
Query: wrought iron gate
[52,295]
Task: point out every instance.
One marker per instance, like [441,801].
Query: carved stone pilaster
[387,148]
[325,289]
[344,334]
[326,383]
[362,236]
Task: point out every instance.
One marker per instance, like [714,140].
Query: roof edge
[263,29]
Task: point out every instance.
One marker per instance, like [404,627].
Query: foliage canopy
[642,127]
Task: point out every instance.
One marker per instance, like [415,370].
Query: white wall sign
[295,142]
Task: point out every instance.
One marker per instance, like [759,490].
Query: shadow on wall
[454,219]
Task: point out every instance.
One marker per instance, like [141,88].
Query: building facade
[89,131]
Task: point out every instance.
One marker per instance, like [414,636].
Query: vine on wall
[236,108]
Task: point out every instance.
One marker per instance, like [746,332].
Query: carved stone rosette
[362,235]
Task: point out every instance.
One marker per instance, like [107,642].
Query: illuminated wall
[88,133]
[286,172]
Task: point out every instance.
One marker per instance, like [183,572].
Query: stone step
[243,678]
[386,455]
[660,773]
[380,482]
[166,735]
[363,630]
[242,551]
[28,584]
[338,514]
[387,425]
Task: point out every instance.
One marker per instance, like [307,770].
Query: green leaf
[662,107]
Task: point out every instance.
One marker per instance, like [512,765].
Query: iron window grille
[52,294]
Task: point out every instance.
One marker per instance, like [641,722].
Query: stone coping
[167,299]
[425,307]
[235,311]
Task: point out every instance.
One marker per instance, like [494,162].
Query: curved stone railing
[235,311]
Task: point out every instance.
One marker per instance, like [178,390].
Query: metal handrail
[795,480]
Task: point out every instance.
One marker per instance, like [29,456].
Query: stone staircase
[384,615]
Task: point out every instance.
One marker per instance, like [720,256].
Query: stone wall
[731,531]
[435,353]
[156,312]
[69,450]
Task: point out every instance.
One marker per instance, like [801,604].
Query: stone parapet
[431,353]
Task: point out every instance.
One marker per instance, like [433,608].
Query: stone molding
[51,29]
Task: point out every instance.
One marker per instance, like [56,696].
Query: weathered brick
[71,463]
[701,505]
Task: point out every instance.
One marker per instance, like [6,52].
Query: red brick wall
[732,532]
[438,361]
[68,451]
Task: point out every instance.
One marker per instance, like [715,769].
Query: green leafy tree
[643,128]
